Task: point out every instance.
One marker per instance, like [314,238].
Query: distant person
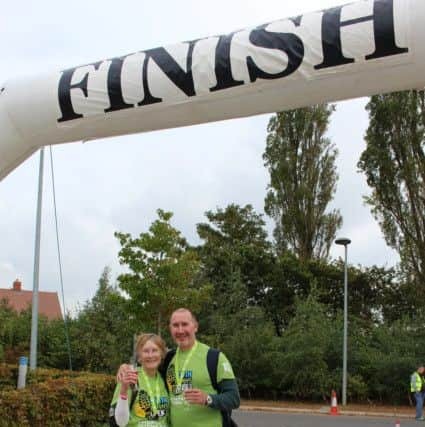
[417,388]
[201,383]
[141,397]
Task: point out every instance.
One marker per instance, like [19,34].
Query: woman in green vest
[141,398]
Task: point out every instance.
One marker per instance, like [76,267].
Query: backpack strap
[212,365]
[166,363]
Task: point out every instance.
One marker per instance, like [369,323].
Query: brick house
[18,299]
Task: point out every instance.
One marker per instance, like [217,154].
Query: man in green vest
[194,401]
[417,388]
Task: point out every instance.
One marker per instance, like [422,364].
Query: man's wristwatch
[209,401]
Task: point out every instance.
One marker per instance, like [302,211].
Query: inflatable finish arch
[363,48]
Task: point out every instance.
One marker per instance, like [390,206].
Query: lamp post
[36,276]
[344,242]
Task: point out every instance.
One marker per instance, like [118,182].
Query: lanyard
[180,374]
[154,398]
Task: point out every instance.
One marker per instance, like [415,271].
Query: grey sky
[117,184]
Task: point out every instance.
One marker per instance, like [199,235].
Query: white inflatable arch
[363,48]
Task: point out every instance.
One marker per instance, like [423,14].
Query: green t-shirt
[141,414]
[195,375]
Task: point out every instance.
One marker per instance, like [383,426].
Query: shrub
[54,398]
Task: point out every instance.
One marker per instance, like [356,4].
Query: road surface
[267,419]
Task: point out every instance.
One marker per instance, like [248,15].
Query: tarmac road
[267,419]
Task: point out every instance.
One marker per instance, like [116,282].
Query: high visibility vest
[416,382]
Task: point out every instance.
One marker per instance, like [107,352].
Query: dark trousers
[419,398]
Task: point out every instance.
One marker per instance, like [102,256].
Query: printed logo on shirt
[172,385]
[143,407]
[227,367]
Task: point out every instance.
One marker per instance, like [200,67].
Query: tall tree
[394,164]
[164,273]
[301,163]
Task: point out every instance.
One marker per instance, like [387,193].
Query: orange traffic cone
[334,404]
[397,423]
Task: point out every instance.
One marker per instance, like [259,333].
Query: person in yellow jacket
[417,388]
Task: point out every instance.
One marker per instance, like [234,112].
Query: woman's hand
[127,376]
[122,370]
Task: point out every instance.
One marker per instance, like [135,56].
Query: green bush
[8,376]
[54,398]
[358,389]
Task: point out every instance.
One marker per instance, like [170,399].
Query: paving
[353,409]
[253,418]
[324,410]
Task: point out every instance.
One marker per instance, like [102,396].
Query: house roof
[48,302]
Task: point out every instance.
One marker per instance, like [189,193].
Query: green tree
[394,165]
[376,294]
[9,338]
[15,332]
[397,298]
[235,253]
[102,333]
[288,279]
[367,288]
[236,257]
[247,339]
[305,346]
[301,163]
[393,352]
[164,273]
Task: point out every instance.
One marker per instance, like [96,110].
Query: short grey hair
[184,310]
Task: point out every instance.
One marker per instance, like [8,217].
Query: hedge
[76,399]
[9,375]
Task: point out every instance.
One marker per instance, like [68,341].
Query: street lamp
[344,242]
[36,275]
